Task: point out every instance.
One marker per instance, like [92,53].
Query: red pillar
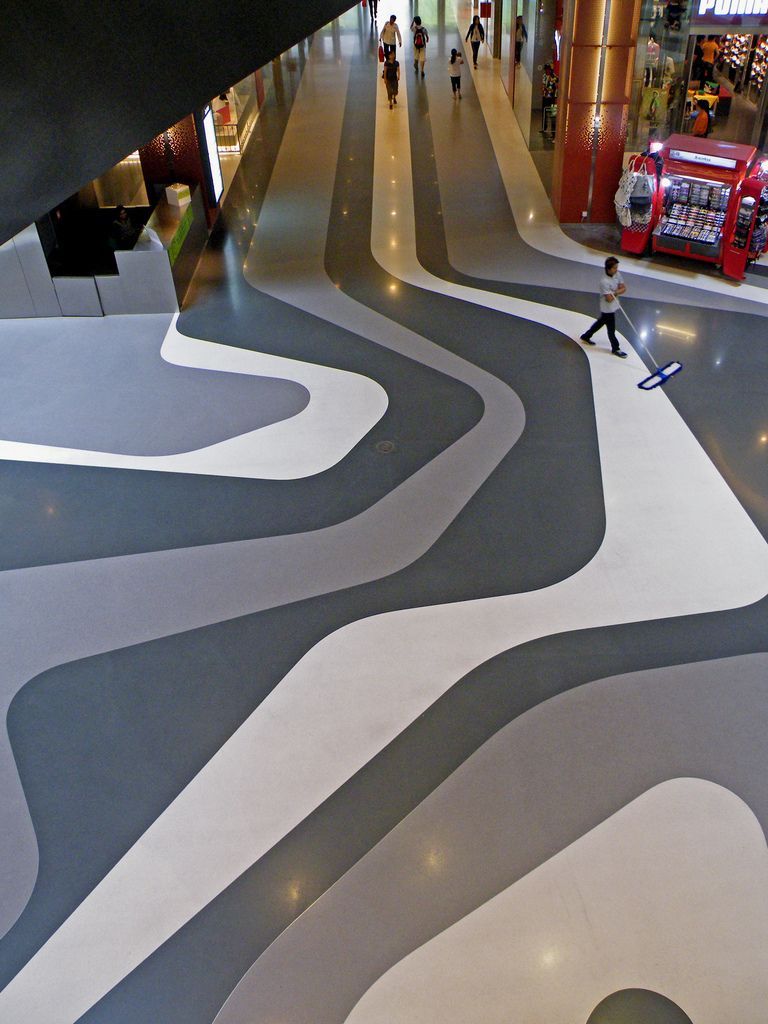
[579,106]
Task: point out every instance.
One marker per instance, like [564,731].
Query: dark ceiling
[85,82]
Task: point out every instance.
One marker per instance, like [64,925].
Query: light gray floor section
[92,607]
[537,786]
[101,385]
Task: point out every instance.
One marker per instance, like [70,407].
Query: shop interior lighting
[656,146]
[666,182]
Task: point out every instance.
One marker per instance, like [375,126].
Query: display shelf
[735,50]
[694,212]
[759,63]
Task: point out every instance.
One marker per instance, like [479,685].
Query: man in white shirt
[390,36]
[611,287]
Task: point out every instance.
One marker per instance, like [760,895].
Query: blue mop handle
[637,333]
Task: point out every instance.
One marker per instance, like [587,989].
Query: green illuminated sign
[181,233]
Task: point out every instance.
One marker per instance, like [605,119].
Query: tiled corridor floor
[376,653]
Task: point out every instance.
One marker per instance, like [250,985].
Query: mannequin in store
[549,86]
[651,59]
[675,103]
[221,110]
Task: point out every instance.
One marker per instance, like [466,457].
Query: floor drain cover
[385,447]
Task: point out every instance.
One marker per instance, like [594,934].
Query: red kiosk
[710,204]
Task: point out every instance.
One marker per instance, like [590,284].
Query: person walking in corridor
[611,287]
[390,36]
[420,40]
[475,35]
[521,37]
[373,6]
[391,76]
[454,70]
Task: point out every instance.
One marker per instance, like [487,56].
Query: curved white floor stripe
[128,600]
[669,894]
[342,408]
[532,209]
[361,686]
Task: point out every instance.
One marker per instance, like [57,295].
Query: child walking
[454,70]
[391,76]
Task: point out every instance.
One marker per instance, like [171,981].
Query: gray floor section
[373,799]
[535,788]
[101,385]
[509,560]
[637,1006]
[66,742]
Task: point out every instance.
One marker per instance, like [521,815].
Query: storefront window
[685,65]
[235,115]
[508,12]
[661,73]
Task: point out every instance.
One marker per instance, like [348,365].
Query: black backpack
[418,39]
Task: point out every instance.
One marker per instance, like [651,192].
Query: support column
[595,86]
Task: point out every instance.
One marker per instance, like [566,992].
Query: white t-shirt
[609,283]
[454,70]
[390,34]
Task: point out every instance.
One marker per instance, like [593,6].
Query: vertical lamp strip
[596,124]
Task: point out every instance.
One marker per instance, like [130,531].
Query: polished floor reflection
[380,653]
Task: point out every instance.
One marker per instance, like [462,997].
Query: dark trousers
[608,321]
[456,83]
[388,47]
[374,8]
[475,50]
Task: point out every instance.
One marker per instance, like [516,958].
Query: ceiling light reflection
[680,332]
[550,957]
[434,860]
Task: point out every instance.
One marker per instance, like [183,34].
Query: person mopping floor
[611,287]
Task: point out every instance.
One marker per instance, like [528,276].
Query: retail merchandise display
[743,222]
[708,201]
[759,63]
[735,50]
[694,210]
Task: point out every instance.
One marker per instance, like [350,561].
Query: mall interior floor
[379,652]
[739,125]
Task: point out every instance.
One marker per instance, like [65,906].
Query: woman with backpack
[420,40]
[475,35]
[454,70]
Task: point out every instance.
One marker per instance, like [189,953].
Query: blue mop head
[661,376]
